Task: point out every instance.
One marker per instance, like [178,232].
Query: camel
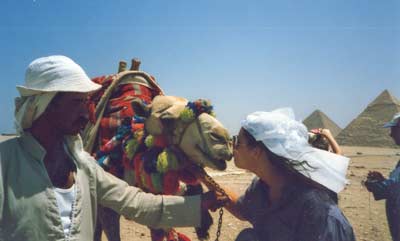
[149,139]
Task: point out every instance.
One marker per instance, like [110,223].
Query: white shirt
[65,200]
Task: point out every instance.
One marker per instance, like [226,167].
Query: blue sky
[244,56]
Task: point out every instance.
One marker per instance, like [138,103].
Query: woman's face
[252,157]
[242,151]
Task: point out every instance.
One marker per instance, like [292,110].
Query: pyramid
[366,129]
[318,119]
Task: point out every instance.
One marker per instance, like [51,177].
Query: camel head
[200,136]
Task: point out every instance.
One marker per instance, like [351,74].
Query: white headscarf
[29,108]
[286,137]
[44,78]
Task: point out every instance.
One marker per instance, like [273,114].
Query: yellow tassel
[187,115]
[130,148]
[149,141]
[162,162]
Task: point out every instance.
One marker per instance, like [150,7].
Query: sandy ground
[365,214]
[5,137]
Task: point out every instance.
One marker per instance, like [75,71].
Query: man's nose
[84,111]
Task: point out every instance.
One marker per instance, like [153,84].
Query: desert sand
[366,215]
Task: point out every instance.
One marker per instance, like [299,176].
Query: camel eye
[217,137]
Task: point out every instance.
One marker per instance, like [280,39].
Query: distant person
[49,186]
[290,199]
[322,138]
[389,188]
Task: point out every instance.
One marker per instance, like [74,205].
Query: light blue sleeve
[382,189]
[1,199]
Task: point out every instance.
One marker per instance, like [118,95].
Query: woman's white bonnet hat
[286,137]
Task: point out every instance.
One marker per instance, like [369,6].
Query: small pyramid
[367,129]
[318,119]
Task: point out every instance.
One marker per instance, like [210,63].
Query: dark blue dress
[304,213]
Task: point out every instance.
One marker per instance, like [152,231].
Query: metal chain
[221,210]
[210,180]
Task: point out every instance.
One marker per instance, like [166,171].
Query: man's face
[395,133]
[68,112]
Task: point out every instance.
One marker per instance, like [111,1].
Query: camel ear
[140,108]
[165,110]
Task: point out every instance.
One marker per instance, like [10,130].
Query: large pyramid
[366,129]
[318,119]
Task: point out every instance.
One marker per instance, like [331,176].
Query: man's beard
[59,170]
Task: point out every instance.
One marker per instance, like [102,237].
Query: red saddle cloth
[171,235]
[118,108]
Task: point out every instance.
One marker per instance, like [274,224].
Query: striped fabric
[118,108]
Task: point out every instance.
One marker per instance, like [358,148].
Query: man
[389,188]
[49,186]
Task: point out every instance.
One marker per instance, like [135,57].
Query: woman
[290,198]
[323,139]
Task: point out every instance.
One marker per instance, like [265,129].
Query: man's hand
[375,183]
[374,176]
[213,200]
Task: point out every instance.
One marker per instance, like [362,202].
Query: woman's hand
[326,133]
[322,131]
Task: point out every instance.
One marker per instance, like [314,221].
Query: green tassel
[162,162]
[131,147]
[173,162]
[187,115]
[157,180]
[143,179]
[149,141]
